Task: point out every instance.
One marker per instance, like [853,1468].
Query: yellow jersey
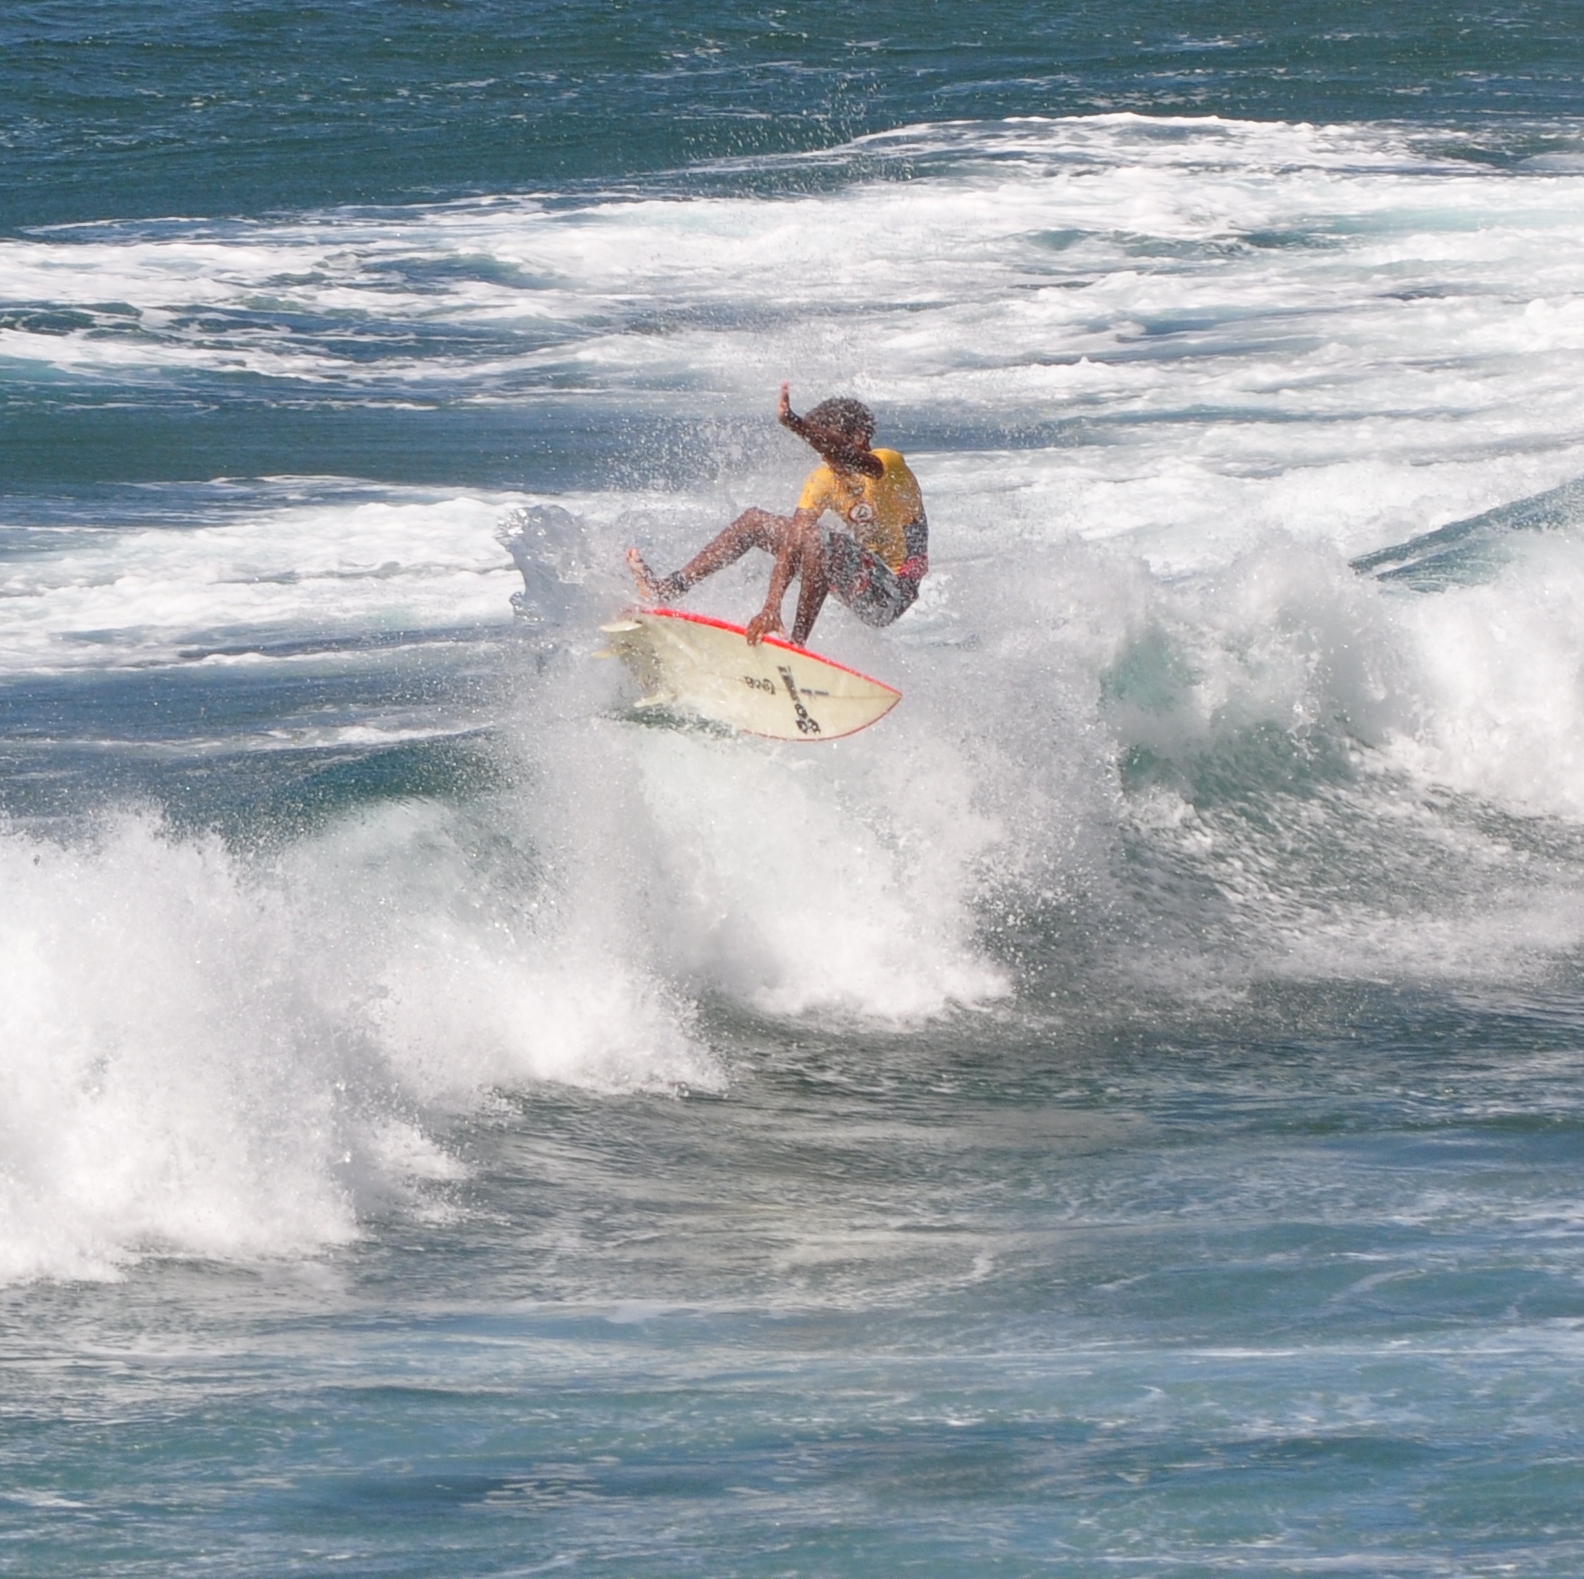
[878,511]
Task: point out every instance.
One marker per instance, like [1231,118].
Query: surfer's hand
[784,410]
[767,622]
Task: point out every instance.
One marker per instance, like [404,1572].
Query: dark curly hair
[846,415]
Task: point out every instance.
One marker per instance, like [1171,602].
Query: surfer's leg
[813,582]
[799,551]
[751,529]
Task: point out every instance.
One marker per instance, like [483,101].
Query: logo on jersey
[861,513]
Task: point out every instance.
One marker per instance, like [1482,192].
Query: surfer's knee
[758,527]
[779,534]
[800,537]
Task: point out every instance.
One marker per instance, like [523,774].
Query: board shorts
[864,581]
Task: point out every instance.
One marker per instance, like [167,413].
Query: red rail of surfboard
[770,641]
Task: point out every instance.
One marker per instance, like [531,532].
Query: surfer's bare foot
[650,590]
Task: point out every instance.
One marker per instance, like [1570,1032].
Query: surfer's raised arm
[833,445]
[873,561]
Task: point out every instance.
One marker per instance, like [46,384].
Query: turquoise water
[210,110]
[1122,1114]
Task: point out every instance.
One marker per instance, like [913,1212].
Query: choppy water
[1123,1114]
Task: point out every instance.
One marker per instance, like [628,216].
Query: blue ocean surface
[1123,1114]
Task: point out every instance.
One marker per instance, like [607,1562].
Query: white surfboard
[705,667]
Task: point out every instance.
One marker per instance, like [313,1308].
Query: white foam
[203,1058]
[821,883]
[836,881]
[1500,671]
[140,596]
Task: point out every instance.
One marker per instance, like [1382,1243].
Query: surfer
[873,561]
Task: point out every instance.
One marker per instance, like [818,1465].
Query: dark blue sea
[1123,1115]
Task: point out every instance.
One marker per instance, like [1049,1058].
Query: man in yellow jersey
[873,562]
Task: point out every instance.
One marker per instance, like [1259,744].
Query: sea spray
[213,1056]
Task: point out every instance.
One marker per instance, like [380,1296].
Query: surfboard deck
[705,667]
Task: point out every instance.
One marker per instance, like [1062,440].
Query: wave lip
[210,1060]
[1475,549]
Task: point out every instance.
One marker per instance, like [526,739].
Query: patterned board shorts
[864,581]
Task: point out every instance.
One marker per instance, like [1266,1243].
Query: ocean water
[1122,1115]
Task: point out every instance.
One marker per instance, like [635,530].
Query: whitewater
[1120,1113]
